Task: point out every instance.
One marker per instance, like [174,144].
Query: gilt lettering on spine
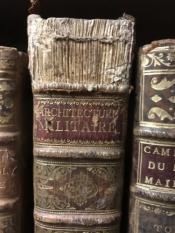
[80,80]
[153,182]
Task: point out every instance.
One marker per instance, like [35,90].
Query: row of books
[80,74]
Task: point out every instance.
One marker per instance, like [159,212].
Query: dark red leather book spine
[153,182]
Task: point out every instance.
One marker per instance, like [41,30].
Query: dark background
[155,19]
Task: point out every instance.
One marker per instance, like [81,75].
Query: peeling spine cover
[80,78]
[93,54]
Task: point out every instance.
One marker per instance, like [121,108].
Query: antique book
[80,80]
[153,181]
[11,68]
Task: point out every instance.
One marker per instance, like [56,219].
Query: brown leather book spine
[10,76]
[153,181]
[80,79]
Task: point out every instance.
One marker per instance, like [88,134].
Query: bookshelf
[154,20]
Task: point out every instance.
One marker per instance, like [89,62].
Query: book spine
[10,66]
[79,122]
[153,183]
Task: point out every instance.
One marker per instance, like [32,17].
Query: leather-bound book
[153,182]
[80,80]
[11,67]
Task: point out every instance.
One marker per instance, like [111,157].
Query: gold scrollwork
[6,102]
[162,85]
[172,99]
[5,119]
[6,86]
[156,98]
[159,112]
[157,59]
[158,209]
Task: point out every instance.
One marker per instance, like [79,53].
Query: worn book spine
[153,182]
[10,190]
[80,80]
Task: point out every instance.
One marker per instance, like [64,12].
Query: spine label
[85,120]
[156,163]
